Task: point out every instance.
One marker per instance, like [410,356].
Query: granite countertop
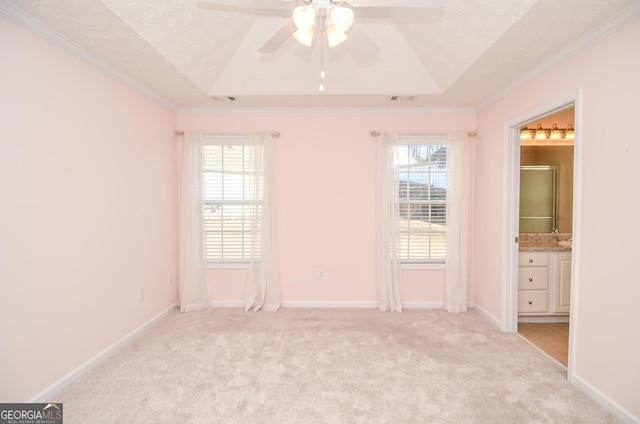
[542,246]
[531,242]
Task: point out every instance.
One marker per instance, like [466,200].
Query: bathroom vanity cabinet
[544,283]
[562,269]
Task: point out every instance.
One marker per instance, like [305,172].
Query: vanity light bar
[547,131]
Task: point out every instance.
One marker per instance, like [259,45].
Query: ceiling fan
[335,18]
[332,21]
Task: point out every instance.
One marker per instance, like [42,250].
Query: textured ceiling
[195,55]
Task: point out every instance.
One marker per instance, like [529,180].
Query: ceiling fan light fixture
[304,37]
[341,18]
[304,17]
[335,37]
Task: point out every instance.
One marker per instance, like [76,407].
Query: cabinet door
[563,284]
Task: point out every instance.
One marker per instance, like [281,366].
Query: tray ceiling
[197,57]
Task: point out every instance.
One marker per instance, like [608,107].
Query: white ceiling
[459,55]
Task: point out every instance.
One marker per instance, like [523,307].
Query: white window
[421,168]
[230,194]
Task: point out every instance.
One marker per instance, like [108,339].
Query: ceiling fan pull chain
[323,42]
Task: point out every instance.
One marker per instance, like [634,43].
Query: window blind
[229,194]
[421,169]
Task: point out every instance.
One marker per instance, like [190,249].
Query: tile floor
[552,338]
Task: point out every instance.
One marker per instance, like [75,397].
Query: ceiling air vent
[402,98]
[222,98]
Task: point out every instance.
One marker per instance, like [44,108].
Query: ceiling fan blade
[239,8]
[361,44]
[397,3]
[279,37]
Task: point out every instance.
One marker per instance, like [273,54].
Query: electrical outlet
[321,274]
[141,294]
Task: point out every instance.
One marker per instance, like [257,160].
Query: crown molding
[622,19]
[325,111]
[44,31]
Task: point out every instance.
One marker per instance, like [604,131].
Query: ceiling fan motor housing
[321,5]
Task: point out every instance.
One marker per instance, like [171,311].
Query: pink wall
[607,346]
[326,173]
[88,212]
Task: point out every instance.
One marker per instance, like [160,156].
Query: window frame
[221,140]
[425,139]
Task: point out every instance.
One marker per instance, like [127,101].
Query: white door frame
[511,213]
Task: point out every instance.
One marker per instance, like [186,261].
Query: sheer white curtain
[263,283]
[388,218]
[194,289]
[458,167]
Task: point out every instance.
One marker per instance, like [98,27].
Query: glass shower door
[538,191]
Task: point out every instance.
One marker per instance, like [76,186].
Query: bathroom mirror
[539,199]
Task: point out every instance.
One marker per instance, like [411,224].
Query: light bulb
[321,88]
[334,36]
[322,74]
[341,17]
[304,17]
[304,37]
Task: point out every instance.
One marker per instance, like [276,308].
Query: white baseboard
[351,304]
[348,304]
[227,304]
[493,320]
[624,415]
[49,394]
[303,304]
[423,305]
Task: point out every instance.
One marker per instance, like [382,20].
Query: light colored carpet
[327,366]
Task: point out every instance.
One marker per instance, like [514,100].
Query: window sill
[227,265]
[411,266]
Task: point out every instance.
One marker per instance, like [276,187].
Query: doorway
[511,214]
[545,205]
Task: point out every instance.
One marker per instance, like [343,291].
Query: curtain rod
[273,134]
[375,133]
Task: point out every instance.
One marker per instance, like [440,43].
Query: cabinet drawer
[532,301]
[533,278]
[532,259]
